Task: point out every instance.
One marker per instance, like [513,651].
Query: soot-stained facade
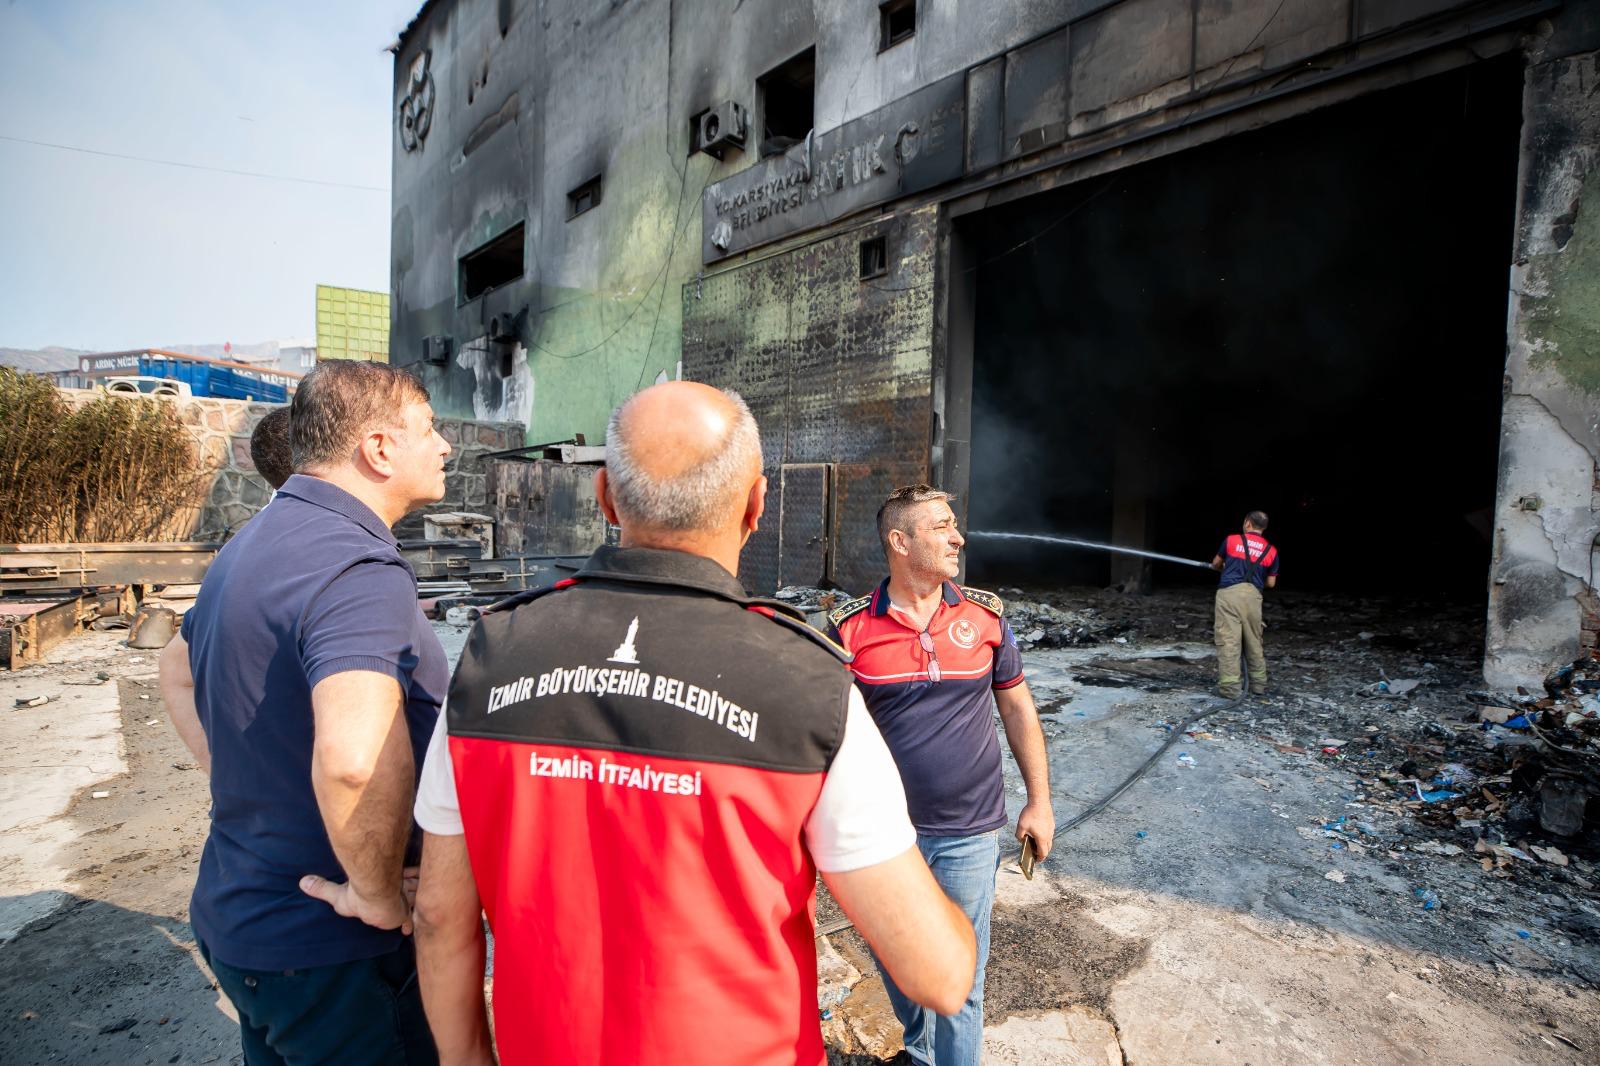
[836,205]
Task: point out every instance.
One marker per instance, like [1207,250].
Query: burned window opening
[874,258]
[1150,381]
[497,263]
[897,21]
[787,99]
[584,198]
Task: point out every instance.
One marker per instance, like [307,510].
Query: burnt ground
[111,974]
[1258,900]
[1192,921]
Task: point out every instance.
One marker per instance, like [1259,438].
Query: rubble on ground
[1482,802]
[1040,623]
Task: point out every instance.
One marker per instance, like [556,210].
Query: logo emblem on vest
[626,652]
[963,632]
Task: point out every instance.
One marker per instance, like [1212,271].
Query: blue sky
[106,253]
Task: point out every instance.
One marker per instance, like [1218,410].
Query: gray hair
[901,502]
[696,498]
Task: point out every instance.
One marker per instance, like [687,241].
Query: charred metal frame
[31,627]
[38,567]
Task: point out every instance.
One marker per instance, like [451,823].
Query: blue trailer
[205,377]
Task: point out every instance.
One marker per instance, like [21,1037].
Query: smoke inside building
[1306,319]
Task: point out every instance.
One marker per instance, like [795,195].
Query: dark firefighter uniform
[1247,559]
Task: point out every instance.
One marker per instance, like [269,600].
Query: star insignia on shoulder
[850,607]
[987,600]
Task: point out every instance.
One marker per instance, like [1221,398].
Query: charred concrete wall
[504,107]
[1542,607]
[838,372]
[747,270]
[528,101]
[511,104]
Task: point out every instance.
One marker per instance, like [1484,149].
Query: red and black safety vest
[1247,557]
[635,757]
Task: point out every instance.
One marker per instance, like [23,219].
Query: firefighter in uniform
[934,661]
[1248,564]
[639,775]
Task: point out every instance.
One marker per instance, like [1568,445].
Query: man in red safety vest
[638,777]
[1248,564]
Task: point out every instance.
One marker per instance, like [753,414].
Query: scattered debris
[1335,876]
[1185,759]
[1434,847]
[100,795]
[1502,853]
[1039,624]
[32,701]
[153,627]
[1553,856]
[1387,687]
[1427,897]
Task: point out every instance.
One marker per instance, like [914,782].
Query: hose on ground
[1012,854]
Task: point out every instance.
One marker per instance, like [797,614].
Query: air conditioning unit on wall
[721,128]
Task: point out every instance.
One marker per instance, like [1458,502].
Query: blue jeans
[363,1012]
[965,868]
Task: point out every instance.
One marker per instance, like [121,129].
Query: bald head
[681,457]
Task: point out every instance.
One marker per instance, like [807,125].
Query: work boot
[1260,688]
[1228,692]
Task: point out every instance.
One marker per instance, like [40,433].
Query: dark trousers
[367,1011]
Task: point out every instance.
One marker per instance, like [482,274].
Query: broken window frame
[874,261]
[476,260]
[783,76]
[890,15]
[585,197]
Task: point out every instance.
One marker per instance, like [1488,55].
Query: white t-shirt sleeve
[860,819]
[437,809]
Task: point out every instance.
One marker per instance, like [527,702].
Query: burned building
[1115,268]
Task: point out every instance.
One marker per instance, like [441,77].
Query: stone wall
[467,486]
[221,431]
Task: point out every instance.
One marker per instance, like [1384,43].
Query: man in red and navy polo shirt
[1248,563]
[927,656]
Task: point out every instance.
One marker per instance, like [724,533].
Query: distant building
[298,354]
[352,324]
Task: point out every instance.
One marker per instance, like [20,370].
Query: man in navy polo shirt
[307,682]
[927,656]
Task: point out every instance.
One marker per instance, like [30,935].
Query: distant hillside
[40,360]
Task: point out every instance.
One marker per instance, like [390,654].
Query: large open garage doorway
[1308,319]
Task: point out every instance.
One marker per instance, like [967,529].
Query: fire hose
[1011,854]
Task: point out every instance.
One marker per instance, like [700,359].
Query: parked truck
[204,377]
